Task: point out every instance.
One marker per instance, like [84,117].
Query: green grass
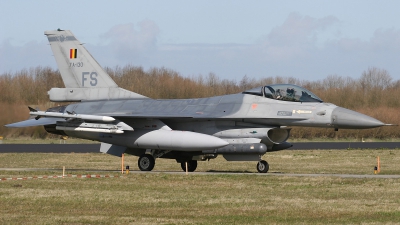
[160,198]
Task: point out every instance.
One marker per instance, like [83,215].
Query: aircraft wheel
[192,165]
[146,162]
[262,166]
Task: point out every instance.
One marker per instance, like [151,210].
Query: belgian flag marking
[73,53]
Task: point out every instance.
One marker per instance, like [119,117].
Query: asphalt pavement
[88,148]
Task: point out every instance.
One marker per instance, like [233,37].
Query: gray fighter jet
[240,127]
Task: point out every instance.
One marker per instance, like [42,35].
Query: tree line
[374,93]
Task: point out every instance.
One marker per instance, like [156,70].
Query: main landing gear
[192,165]
[146,162]
[262,166]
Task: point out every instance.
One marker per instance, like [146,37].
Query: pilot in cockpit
[290,92]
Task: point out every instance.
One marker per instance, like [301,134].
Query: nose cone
[345,118]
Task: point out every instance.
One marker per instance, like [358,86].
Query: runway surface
[358,176]
[88,148]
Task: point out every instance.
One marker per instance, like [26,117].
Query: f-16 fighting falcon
[239,127]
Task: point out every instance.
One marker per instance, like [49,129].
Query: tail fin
[83,76]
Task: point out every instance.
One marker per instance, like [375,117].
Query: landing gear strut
[192,165]
[146,162]
[262,166]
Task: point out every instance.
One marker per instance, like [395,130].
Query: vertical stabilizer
[83,77]
[77,66]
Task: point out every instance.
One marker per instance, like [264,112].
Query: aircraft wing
[47,118]
[74,122]
[34,122]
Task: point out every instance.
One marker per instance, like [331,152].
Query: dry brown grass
[159,198]
[204,199]
[173,199]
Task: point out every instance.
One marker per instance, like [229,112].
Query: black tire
[262,166]
[146,162]
[192,165]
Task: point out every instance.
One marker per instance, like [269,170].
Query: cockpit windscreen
[290,92]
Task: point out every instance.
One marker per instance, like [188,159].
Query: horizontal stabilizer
[34,122]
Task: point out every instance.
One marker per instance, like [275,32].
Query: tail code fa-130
[239,127]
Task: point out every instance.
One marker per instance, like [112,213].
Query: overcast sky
[306,39]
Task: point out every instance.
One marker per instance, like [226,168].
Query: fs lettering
[92,76]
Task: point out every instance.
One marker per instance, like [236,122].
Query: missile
[94,127]
[40,114]
[88,129]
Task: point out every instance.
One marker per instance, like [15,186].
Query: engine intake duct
[252,148]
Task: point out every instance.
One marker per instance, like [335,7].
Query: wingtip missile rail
[40,114]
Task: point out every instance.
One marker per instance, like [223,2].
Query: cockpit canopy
[285,92]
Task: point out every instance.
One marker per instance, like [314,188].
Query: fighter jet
[239,127]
